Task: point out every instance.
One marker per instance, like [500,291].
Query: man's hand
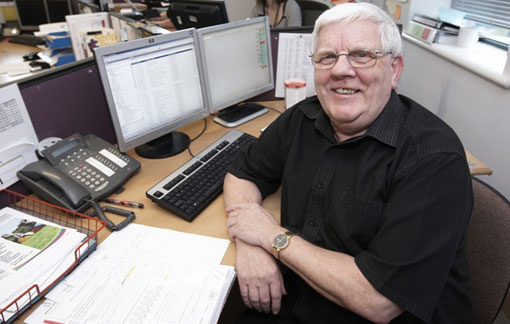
[253,224]
[260,279]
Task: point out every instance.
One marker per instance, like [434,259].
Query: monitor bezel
[218,3]
[99,52]
[242,96]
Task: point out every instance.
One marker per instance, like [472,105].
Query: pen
[123,203]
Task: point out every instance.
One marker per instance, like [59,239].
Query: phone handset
[54,185]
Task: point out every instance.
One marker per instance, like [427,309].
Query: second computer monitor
[237,61]
[197,13]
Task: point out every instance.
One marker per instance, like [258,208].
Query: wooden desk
[477,167]
[11,59]
[211,222]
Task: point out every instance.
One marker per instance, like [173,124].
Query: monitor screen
[153,86]
[237,61]
[197,13]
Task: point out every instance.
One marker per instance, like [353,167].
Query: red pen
[123,203]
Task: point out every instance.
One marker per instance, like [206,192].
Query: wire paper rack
[62,217]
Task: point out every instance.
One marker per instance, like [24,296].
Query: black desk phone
[78,169]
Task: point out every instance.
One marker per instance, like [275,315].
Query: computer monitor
[153,86]
[197,13]
[85,6]
[237,61]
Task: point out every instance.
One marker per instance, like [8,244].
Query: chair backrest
[310,10]
[488,251]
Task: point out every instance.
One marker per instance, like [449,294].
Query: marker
[123,203]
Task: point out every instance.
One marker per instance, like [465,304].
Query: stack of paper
[143,275]
[32,251]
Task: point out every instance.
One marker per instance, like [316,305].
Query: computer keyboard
[192,187]
[27,39]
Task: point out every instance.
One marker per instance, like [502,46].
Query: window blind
[493,12]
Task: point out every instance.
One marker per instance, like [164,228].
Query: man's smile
[345,91]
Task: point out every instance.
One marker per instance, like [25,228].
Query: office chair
[487,248]
[310,10]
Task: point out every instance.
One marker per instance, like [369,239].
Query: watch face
[280,241]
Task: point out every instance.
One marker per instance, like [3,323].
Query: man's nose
[342,66]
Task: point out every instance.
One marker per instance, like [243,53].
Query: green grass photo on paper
[43,238]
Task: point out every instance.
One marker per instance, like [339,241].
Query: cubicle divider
[65,100]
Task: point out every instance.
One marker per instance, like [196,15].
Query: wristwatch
[280,242]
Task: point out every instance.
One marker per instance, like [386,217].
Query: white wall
[477,109]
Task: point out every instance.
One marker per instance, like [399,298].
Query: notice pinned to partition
[18,140]
[294,62]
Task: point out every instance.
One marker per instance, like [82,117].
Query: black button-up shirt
[397,198]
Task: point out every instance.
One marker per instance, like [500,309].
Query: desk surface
[11,60]
[211,222]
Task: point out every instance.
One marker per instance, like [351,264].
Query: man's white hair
[349,12]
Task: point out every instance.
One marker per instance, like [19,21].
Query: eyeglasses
[364,58]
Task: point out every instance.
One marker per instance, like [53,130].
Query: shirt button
[319,185]
[312,223]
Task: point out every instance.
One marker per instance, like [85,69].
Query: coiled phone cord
[99,213]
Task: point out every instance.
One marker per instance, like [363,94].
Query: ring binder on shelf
[62,217]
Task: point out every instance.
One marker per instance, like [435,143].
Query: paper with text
[144,274]
[294,62]
[17,135]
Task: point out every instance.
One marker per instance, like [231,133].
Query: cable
[274,109]
[194,138]
[203,130]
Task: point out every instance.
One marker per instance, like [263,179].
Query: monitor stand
[239,114]
[167,145]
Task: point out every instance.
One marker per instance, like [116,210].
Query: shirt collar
[385,127]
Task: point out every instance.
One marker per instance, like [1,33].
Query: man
[375,194]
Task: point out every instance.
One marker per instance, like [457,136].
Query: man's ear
[397,66]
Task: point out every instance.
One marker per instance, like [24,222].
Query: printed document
[143,274]
[17,135]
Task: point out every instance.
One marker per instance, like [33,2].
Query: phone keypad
[88,177]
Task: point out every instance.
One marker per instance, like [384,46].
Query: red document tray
[63,217]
